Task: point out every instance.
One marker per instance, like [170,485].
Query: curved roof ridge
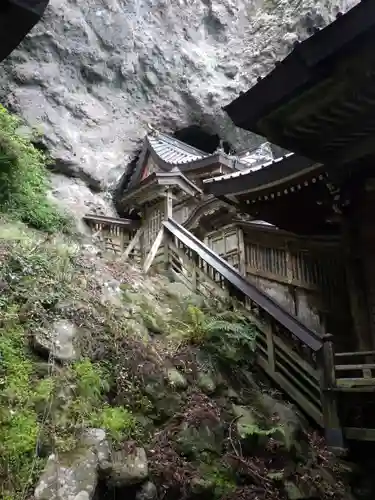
[172,151]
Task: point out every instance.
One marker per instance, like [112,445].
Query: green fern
[254,430]
[228,335]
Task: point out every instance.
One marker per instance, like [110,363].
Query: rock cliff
[93,73]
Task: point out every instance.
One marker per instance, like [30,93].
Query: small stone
[74,476]
[151,78]
[206,383]
[148,491]
[176,379]
[82,495]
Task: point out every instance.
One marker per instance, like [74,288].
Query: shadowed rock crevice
[197,137]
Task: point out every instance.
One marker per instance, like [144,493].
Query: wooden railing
[298,359]
[355,371]
[114,234]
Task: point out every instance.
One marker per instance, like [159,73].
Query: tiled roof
[248,170]
[174,151]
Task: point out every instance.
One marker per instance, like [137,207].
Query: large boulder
[126,467]
[58,340]
[74,475]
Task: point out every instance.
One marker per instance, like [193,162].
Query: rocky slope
[93,73]
[131,387]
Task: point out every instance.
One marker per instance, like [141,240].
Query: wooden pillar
[326,364]
[168,213]
[356,282]
[241,252]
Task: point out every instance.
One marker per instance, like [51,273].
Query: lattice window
[231,242]
[323,271]
[154,221]
[267,259]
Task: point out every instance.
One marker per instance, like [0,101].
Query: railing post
[270,346]
[194,274]
[167,253]
[326,364]
[168,212]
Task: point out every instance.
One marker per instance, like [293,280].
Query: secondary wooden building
[319,102]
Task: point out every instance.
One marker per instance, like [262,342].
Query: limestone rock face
[93,73]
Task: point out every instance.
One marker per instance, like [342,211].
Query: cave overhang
[320,100]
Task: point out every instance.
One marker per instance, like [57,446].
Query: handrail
[103,219]
[307,336]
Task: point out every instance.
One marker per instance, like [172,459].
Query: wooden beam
[359,434]
[154,249]
[356,282]
[133,243]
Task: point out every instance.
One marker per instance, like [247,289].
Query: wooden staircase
[300,361]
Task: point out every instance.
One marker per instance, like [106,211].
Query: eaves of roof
[159,179]
[273,173]
[309,63]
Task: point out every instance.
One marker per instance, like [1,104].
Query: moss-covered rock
[206,382]
[126,467]
[157,368]
[176,379]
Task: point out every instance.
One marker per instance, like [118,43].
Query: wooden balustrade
[355,371]
[113,234]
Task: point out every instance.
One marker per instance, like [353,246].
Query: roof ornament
[152,130]
[220,148]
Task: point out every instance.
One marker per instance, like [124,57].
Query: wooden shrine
[291,238]
[302,275]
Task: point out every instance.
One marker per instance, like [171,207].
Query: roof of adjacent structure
[16,20]
[320,94]
[145,190]
[274,175]
[246,171]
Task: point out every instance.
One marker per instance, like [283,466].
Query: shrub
[24,180]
